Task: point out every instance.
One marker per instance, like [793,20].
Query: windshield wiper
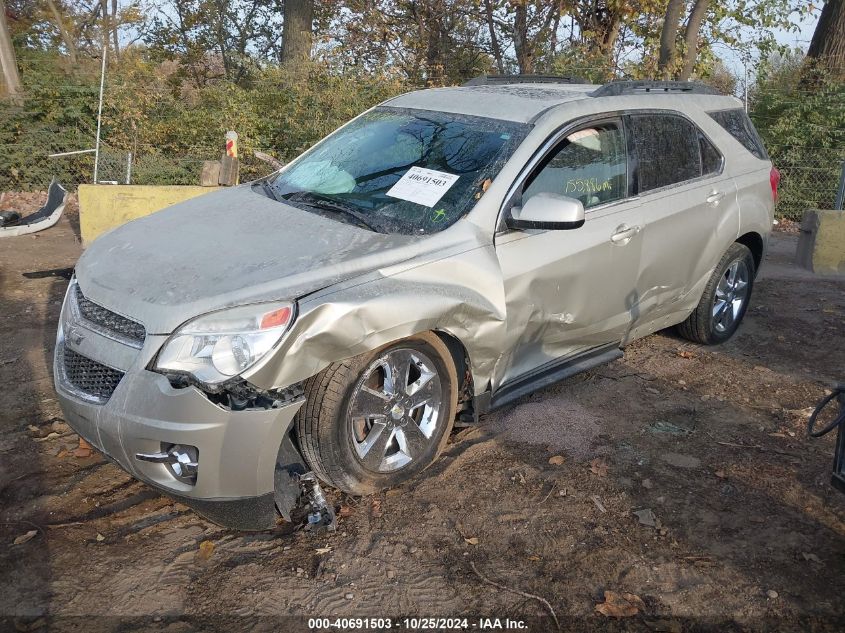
[320,202]
[268,189]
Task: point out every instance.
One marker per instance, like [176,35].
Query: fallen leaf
[375,508]
[686,354]
[206,550]
[620,605]
[557,460]
[100,538]
[534,557]
[323,550]
[486,184]
[599,467]
[345,511]
[82,453]
[472,541]
[23,538]
[721,474]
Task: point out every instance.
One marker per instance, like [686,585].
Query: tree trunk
[696,17]
[8,63]
[297,32]
[70,45]
[494,39]
[523,48]
[828,44]
[114,25]
[668,36]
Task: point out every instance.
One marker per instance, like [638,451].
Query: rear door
[689,212]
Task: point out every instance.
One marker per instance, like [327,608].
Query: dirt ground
[745,531]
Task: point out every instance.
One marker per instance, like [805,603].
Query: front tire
[376,420]
[725,299]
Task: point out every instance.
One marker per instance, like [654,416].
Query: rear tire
[376,420]
[724,301]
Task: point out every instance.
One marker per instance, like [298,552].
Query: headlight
[220,345]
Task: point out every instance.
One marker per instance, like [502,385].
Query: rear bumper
[237,449]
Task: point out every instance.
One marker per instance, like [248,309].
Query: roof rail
[500,80]
[622,87]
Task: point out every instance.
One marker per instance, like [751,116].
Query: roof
[524,101]
[521,102]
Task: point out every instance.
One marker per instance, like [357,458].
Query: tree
[668,36]
[8,62]
[297,32]
[67,38]
[827,48]
[699,10]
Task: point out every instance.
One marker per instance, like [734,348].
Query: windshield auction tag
[422,186]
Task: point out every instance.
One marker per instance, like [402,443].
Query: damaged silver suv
[442,254]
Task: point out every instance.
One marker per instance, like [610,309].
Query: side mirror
[549,211]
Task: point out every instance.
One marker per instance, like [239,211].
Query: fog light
[182,460]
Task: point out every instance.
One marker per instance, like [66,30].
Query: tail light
[774,179]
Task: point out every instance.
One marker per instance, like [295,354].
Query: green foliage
[800,113]
[170,128]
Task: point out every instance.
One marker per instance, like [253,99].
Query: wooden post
[229,165]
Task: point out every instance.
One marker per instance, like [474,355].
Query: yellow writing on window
[587,185]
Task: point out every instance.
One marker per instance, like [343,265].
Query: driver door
[568,291]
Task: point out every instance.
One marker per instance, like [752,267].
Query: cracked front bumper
[237,449]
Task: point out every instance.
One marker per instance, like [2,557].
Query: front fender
[460,294]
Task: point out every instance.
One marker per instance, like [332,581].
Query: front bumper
[237,449]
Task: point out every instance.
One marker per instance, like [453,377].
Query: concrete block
[821,245]
[104,207]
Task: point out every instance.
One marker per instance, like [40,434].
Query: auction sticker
[422,186]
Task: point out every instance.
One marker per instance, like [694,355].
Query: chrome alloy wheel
[731,294]
[394,410]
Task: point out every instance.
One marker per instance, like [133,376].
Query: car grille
[89,376]
[108,320]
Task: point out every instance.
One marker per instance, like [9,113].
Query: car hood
[227,248]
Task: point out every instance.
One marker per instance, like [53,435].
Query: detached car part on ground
[441,255]
[13,224]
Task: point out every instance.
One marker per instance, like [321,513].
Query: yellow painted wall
[103,207]
[829,250]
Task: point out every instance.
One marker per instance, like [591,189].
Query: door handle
[715,197]
[624,233]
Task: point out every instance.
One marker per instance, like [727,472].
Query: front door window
[589,164]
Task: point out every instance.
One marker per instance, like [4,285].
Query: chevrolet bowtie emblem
[75,335]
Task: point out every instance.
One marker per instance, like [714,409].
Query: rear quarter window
[737,123]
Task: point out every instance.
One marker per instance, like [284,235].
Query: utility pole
[8,64]
[100,112]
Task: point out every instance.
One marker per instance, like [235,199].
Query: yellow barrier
[103,207]
[821,246]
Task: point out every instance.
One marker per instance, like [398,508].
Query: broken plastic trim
[237,394]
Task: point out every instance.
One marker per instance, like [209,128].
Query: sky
[800,38]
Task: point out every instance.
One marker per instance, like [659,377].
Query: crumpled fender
[458,292]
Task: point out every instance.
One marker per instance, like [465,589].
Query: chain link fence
[809,178]
[809,175]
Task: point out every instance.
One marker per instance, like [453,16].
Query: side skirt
[546,375]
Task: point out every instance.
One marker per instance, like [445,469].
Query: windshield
[400,171]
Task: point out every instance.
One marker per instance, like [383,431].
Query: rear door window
[668,150]
[590,165]
[737,123]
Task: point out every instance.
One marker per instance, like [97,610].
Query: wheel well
[461,358]
[754,242]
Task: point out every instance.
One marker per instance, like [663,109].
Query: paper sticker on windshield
[423,186]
